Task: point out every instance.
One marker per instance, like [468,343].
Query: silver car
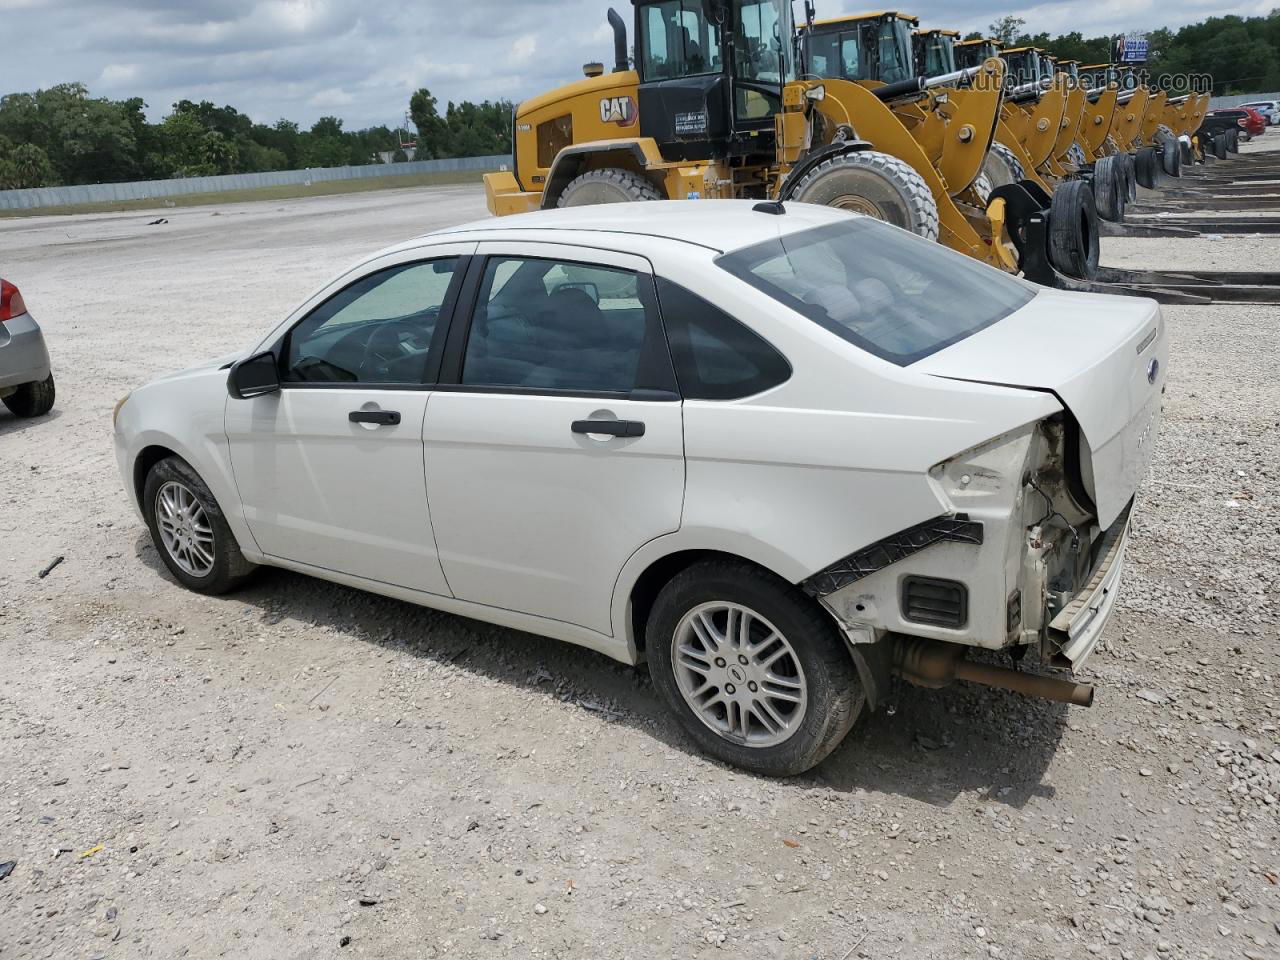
[26,381]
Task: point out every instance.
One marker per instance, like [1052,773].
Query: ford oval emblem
[1153,370]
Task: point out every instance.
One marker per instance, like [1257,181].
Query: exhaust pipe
[620,64]
[934,664]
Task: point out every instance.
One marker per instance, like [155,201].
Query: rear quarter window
[715,356]
[879,287]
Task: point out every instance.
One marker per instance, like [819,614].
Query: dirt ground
[300,770]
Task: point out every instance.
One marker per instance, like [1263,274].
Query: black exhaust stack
[620,64]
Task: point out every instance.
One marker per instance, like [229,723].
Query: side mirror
[253,376]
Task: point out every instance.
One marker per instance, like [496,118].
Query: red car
[1250,121]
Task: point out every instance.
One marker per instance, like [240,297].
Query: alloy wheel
[739,674]
[185,529]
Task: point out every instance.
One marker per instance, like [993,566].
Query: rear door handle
[614,428]
[385,417]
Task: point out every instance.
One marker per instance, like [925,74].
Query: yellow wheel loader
[715,108]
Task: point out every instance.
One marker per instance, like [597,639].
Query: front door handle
[385,417]
[613,428]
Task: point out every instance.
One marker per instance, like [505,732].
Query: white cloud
[304,58]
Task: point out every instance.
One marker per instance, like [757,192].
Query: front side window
[555,325]
[762,59]
[677,40]
[377,330]
[879,287]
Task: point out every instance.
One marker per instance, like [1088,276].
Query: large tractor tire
[1073,230]
[607,185]
[1130,176]
[875,184]
[1110,188]
[1220,145]
[1002,167]
[1233,140]
[1171,157]
[1147,167]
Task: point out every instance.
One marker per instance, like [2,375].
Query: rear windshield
[879,287]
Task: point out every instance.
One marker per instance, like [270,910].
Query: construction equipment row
[1009,156]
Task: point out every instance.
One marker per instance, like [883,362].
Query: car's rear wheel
[874,184]
[189,530]
[754,671]
[32,399]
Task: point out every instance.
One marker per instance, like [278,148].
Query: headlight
[115,414]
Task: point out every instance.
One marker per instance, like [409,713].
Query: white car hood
[1104,357]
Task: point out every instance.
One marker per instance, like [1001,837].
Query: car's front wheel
[755,672]
[189,530]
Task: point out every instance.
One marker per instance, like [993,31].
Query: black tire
[1147,168]
[1131,177]
[874,184]
[229,567]
[607,185]
[1002,166]
[32,399]
[1109,188]
[1233,140]
[1073,230]
[834,694]
[1163,133]
[1220,145]
[1171,157]
[1188,155]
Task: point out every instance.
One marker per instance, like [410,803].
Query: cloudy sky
[360,59]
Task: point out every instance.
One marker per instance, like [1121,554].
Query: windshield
[677,40]
[939,56]
[879,287]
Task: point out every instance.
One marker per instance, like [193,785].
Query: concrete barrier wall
[155,189]
[1217,103]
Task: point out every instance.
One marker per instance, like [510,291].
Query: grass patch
[289,192]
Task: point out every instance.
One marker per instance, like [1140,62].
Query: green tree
[1007,30]
[433,131]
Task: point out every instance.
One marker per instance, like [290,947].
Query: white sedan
[785,456]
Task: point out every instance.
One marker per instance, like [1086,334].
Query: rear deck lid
[1104,357]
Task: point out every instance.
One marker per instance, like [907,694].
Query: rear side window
[879,287]
[715,356]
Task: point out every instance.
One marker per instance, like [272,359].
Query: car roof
[718,225]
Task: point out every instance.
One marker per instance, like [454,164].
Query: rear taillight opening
[11,304]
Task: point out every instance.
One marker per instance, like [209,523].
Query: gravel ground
[302,770]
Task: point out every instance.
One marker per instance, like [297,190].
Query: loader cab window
[763,58]
[893,50]
[938,56]
[835,55]
[678,40]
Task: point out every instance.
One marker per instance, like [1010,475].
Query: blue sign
[1134,51]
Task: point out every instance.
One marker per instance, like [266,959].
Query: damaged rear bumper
[1075,630]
